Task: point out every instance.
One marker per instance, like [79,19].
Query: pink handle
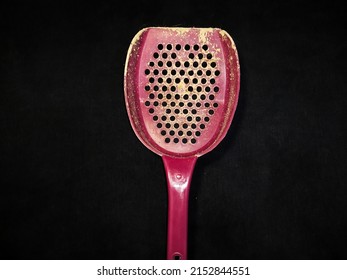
[178,174]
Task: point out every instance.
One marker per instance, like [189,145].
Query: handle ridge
[179,173]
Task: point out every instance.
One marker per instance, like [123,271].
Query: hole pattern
[178,90]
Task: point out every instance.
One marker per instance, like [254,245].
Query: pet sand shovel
[181,90]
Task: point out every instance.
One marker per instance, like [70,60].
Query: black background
[77,184]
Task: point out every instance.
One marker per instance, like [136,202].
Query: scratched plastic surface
[181,90]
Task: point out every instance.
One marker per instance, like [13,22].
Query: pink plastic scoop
[181,90]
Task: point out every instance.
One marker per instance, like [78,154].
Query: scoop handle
[179,173]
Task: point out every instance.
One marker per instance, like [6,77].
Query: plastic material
[181,89]
[179,173]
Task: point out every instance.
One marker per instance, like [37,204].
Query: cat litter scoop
[181,90]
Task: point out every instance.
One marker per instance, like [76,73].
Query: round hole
[198,104]
[155,103]
[198,133]
[156,72]
[164,88]
[204,64]
[193,126]
[207,105]
[182,72]
[191,55]
[196,47]
[193,140]
[151,96]
[177,80]
[189,133]
[169,80]
[198,119]
[147,72]
[173,72]
[181,104]
[173,55]
[164,72]
[211,112]
[184,140]
[169,47]
[147,103]
[194,96]
[191,73]
[180,133]
[160,96]
[190,104]
[147,88]
[168,111]
[172,133]
[176,125]
[168,125]
[206,119]
[177,111]
[199,73]
[176,140]
[167,140]
[215,105]
[213,64]
[185,126]
[185,111]
[160,63]
[169,64]
[177,96]
[156,55]
[186,81]
[187,47]
[173,104]
[205,47]
[164,104]
[203,97]
[172,118]
[155,118]
[212,81]
[186,64]
[160,80]
[194,112]
[173,88]
[189,118]
[178,47]
[211,97]
[217,72]
[199,89]
[208,73]
[159,125]
[195,81]
[151,64]
[190,88]
[195,64]
[163,118]
[177,64]
[209,56]
[207,89]
[203,81]
[216,89]
[160,46]
[200,56]
[185,97]
[164,55]
[202,126]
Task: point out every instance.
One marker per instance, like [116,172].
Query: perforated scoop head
[181,88]
[181,91]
